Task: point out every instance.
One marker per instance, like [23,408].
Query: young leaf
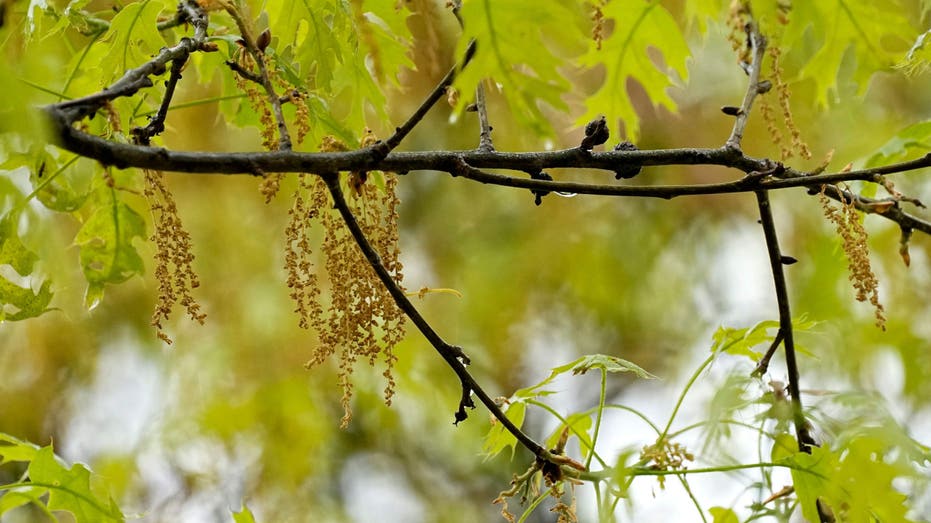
[107,253]
[62,187]
[876,33]
[498,438]
[15,449]
[915,138]
[244,515]
[856,482]
[581,366]
[579,423]
[608,364]
[638,25]
[723,515]
[21,496]
[131,40]
[517,53]
[19,303]
[326,57]
[70,489]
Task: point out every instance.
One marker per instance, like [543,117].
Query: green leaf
[16,302]
[608,364]
[15,449]
[700,11]
[638,26]
[784,447]
[20,496]
[915,138]
[579,423]
[740,342]
[244,515]
[855,482]
[327,58]
[581,366]
[107,253]
[62,186]
[131,40]
[70,489]
[723,515]
[519,56]
[389,43]
[877,33]
[498,438]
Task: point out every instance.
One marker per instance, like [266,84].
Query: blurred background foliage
[229,415]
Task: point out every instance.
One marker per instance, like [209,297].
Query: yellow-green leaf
[70,489]
[723,515]
[498,438]
[876,33]
[107,251]
[638,27]
[17,302]
[518,54]
[243,516]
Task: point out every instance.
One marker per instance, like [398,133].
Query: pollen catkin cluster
[847,222]
[782,92]
[737,18]
[666,455]
[258,99]
[357,319]
[173,257]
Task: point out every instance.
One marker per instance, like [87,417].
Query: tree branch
[805,441]
[126,155]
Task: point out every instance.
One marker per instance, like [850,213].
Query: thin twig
[805,441]
[243,72]
[156,125]
[263,78]
[438,92]
[67,112]
[452,354]
[758,48]
[484,135]
[284,136]
[763,365]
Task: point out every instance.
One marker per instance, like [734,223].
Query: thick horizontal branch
[759,173]
[125,155]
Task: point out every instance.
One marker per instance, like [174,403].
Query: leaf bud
[264,39]
[730,110]
[596,133]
